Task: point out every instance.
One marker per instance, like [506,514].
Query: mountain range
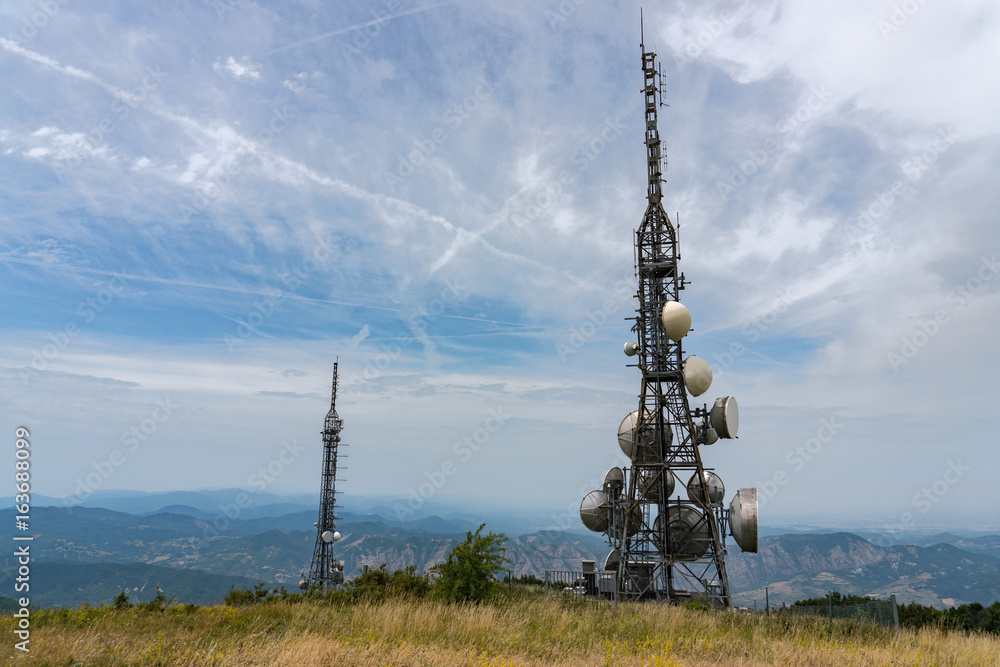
[190,547]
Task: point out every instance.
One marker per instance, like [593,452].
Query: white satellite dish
[614,482]
[712,484]
[690,534]
[336,536]
[627,428]
[743,519]
[705,434]
[326,536]
[648,487]
[725,417]
[631,348]
[697,375]
[594,511]
[612,560]
[676,320]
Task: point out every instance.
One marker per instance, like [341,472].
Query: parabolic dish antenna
[627,428]
[327,536]
[725,417]
[705,434]
[594,511]
[676,320]
[612,560]
[712,484]
[614,482]
[631,348]
[743,519]
[697,375]
[648,486]
[690,535]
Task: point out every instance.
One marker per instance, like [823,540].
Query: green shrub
[469,573]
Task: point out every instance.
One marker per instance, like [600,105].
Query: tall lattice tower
[325,569]
[666,547]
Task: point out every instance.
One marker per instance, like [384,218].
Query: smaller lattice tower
[325,569]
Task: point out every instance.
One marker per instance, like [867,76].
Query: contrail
[240,290]
[359,26]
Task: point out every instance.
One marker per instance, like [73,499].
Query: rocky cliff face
[794,567]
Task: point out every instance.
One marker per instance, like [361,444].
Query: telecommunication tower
[325,570]
[664,547]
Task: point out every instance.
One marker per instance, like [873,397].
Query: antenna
[665,547]
[324,569]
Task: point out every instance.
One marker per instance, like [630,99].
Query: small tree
[469,573]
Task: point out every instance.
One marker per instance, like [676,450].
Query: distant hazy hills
[801,566]
[72,584]
[186,544]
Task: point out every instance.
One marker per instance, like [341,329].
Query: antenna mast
[665,548]
[325,570]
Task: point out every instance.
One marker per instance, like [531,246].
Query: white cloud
[243,70]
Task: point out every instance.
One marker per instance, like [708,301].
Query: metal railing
[580,585]
[882,612]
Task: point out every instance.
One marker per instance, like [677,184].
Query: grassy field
[533,631]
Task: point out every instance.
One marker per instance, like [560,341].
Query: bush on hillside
[469,573]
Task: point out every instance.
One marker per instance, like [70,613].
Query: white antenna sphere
[697,375]
[676,320]
[631,348]
[336,536]
[327,536]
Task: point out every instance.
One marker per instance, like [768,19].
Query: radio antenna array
[665,547]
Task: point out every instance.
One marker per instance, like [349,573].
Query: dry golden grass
[525,632]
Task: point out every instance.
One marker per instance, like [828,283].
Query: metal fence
[581,585]
[882,612]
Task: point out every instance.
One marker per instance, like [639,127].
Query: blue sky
[205,203]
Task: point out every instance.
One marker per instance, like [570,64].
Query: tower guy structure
[667,547]
[325,570]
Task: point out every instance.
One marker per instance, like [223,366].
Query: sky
[204,204]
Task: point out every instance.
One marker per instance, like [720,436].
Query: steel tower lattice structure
[657,560]
[325,569]
[666,548]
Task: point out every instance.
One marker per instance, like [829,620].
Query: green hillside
[72,584]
